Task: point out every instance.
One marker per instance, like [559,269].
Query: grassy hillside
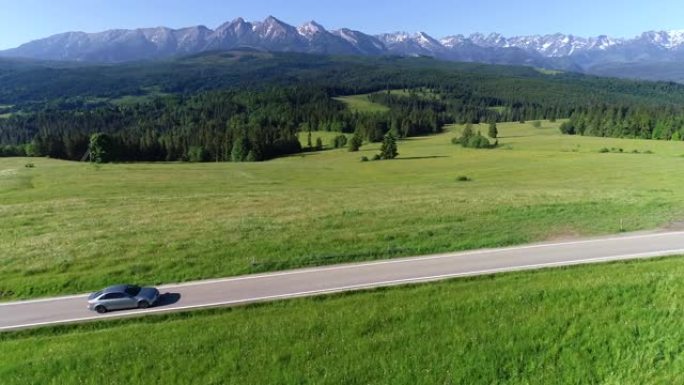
[607,324]
[361,104]
[72,227]
[30,82]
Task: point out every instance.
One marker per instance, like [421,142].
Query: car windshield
[132,290]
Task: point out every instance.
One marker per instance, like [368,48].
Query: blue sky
[24,20]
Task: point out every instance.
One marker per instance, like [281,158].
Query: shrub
[376,157]
[364,159]
[469,139]
[567,128]
[463,178]
[339,141]
[29,165]
[604,150]
[536,124]
[478,141]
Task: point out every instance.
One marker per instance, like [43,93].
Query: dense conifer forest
[249,106]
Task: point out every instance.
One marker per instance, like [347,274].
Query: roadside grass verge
[617,323]
[68,227]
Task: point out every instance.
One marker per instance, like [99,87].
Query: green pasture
[68,227]
[361,104]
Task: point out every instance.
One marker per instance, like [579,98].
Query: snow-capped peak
[664,39]
[310,29]
[452,41]
[427,41]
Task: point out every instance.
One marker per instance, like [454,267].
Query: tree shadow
[422,157]
[167,299]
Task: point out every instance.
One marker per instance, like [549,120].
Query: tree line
[627,121]
[210,126]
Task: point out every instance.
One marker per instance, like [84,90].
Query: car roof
[116,289]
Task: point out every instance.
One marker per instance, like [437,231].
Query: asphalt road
[338,278]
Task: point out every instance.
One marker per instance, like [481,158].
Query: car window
[113,296]
[132,290]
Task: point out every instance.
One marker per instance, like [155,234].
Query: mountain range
[604,55]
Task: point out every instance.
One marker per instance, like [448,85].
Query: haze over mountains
[637,57]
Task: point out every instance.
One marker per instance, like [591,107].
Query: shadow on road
[167,299]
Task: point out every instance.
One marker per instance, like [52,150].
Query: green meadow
[614,323]
[361,104]
[68,227]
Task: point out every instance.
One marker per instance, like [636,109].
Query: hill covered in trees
[249,105]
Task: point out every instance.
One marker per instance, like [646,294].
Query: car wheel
[143,305]
[100,309]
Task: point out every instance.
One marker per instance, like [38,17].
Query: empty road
[338,278]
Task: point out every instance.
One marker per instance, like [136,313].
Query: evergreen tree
[355,143]
[101,148]
[388,150]
[339,141]
[466,134]
[319,144]
[240,149]
[493,131]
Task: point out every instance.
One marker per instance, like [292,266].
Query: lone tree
[493,131]
[101,148]
[355,142]
[388,150]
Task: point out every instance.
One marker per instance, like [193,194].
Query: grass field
[69,227]
[606,324]
[327,138]
[361,104]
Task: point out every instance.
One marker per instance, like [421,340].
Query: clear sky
[25,20]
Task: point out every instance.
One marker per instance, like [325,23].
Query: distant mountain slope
[28,82]
[603,54]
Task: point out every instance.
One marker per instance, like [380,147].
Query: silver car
[122,297]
